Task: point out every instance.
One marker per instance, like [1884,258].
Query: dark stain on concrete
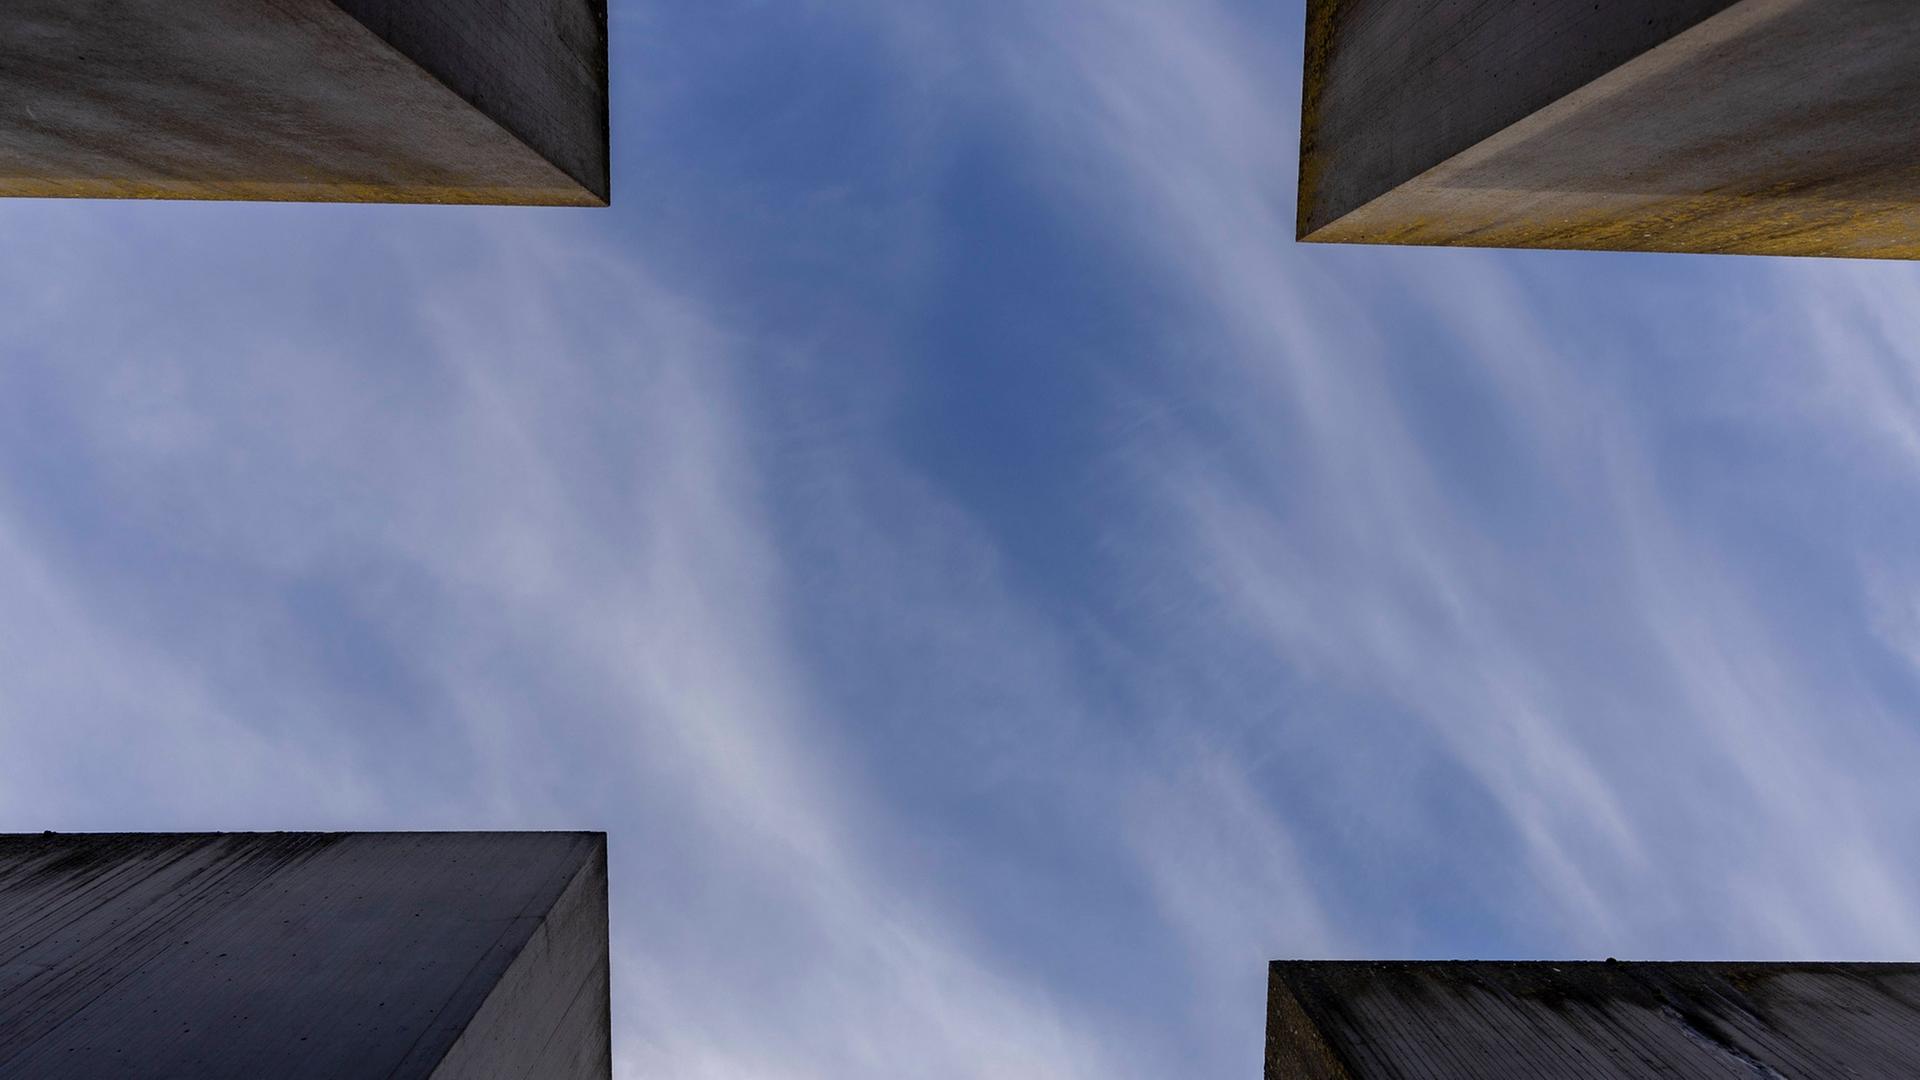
[1366,1020]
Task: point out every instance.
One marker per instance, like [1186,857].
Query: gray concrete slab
[1591,1020]
[458,101]
[399,955]
[1730,126]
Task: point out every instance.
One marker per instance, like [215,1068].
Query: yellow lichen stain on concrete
[321,191]
[1782,219]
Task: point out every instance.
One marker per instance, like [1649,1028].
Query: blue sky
[996,589]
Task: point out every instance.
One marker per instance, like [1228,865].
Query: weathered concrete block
[1577,1021]
[410,956]
[460,101]
[1778,127]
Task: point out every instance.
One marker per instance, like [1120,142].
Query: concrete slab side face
[558,986]
[1296,1049]
[1776,127]
[1629,1021]
[537,67]
[290,955]
[1395,87]
[244,99]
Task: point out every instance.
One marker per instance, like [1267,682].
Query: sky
[996,590]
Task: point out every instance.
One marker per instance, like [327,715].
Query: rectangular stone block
[408,956]
[1776,127]
[1362,1020]
[444,101]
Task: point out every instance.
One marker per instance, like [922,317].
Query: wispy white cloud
[1852,331]
[1680,775]
[550,500]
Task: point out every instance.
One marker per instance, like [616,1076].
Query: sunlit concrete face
[410,956]
[450,101]
[1773,127]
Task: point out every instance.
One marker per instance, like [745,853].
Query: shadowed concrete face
[1738,126]
[399,955]
[480,101]
[1624,1021]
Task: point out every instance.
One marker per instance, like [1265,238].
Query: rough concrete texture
[297,955]
[1780,127]
[480,101]
[1591,1020]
